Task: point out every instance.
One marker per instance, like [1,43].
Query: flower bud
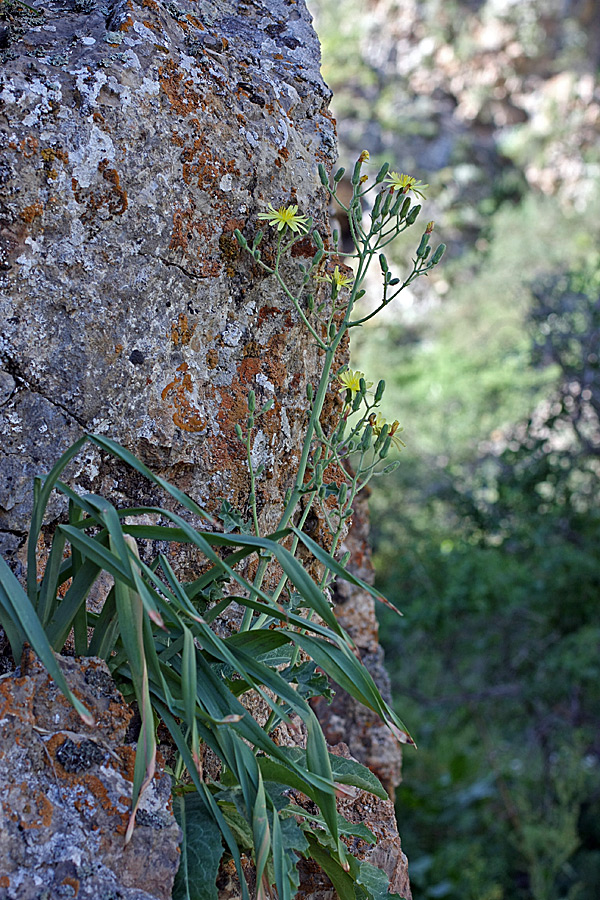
[412,216]
[439,252]
[323,175]
[376,207]
[383,263]
[238,430]
[240,238]
[422,248]
[251,401]
[257,239]
[382,173]
[379,391]
[405,207]
[339,175]
[317,239]
[366,438]
[309,391]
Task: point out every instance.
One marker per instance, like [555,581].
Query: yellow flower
[338,279]
[285,217]
[377,422]
[364,157]
[350,381]
[405,183]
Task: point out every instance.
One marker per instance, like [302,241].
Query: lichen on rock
[65,792]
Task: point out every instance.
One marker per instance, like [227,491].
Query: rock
[136,136]
[65,791]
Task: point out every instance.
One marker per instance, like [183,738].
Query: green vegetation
[154,632]
[488,538]
[491,554]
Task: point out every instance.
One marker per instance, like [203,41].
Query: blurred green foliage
[488,538]
[491,551]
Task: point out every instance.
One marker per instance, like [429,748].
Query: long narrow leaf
[41,496]
[339,571]
[14,599]
[130,611]
[126,456]
[61,623]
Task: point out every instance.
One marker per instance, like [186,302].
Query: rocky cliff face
[136,136]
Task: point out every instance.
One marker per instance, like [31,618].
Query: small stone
[137,358]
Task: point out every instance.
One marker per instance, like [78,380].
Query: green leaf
[348,771]
[41,495]
[20,611]
[351,675]
[333,566]
[342,882]
[121,453]
[201,850]
[374,880]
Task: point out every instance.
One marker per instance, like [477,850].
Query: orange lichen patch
[200,165]
[186,227]
[183,226]
[29,146]
[181,332]
[127,756]
[267,312]
[115,198]
[186,415]
[42,817]
[155,26]
[177,139]
[4,881]
[11,706]
[304,248]
[118,204]
[50,153]
[151,4]
[180,94]
[126,24]
[73,883]
[212,358]
[98,117]
[195,21]
[32,212]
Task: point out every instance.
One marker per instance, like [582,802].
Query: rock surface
[135,137]
[65,791]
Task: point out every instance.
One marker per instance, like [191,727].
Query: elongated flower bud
[439,252]
[412,216]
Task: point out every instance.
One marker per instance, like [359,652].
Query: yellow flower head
[285,217]
[337,278]
[377,422]
[405,183]
[364,157]
[350,381]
